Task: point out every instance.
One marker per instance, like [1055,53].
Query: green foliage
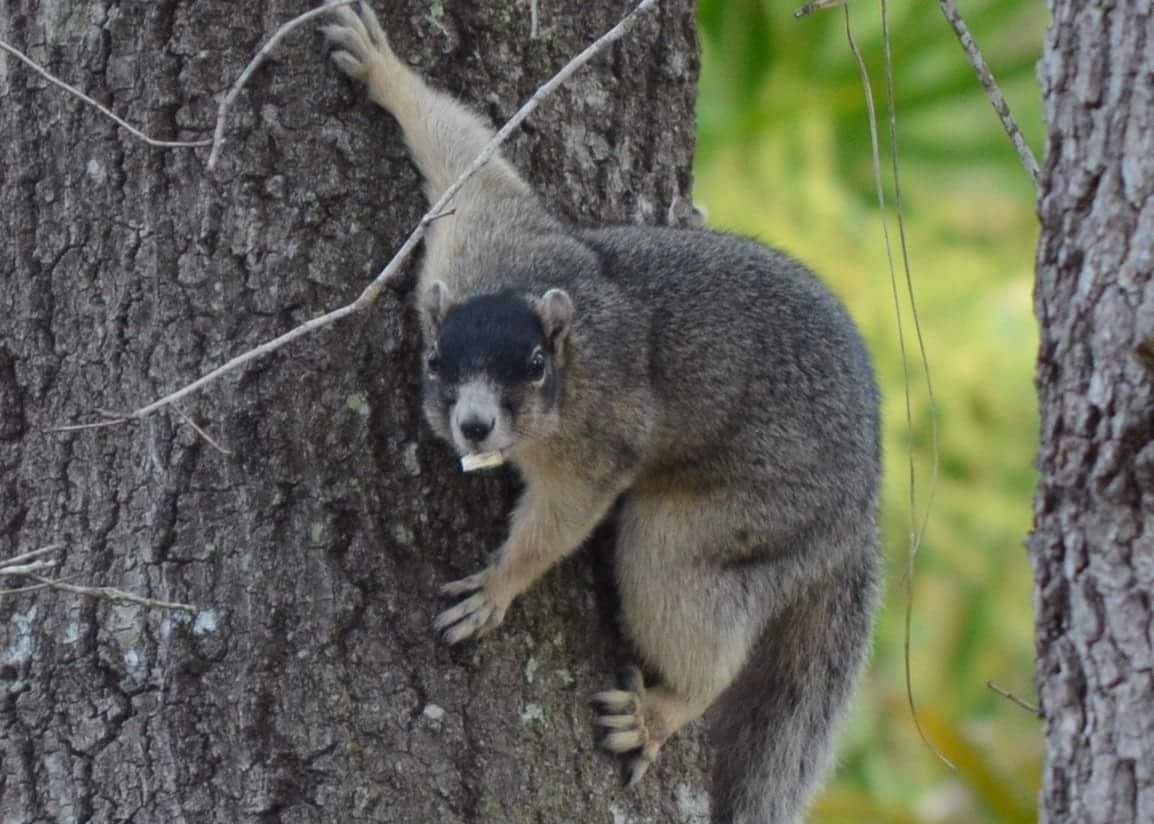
[784,155]
[766,72]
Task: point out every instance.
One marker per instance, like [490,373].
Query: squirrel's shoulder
[684,254]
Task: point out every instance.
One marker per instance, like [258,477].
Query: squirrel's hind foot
[622,714]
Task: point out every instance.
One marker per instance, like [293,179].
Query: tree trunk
[1093,543]
[310,687]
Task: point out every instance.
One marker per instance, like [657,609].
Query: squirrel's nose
[475,429]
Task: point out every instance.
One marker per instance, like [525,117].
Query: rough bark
[1093,544]
[311,687]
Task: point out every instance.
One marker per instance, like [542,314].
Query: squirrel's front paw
[479,613]
[356,39]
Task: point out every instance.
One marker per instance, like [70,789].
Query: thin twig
[877,167]
[393,269]
[12,570]
[918,533]
[96,425]
[899,211]
[28,556]
[986,78]
[1005,693]
[226,104]
[135,132]
[446,213]
[817,5]
[30,564]
[35,587]
[252,354]
[200,431]
[114,595]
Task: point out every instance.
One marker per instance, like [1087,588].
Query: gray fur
[719,391]
[435,303]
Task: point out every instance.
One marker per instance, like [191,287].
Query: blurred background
[784,155]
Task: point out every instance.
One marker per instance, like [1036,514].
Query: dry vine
[135,132]
[34,564]
[985,76]
[392,270]
[266,49]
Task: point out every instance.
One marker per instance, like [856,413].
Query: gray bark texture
[311,687]
[1093,541]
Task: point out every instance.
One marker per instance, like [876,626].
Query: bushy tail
[774,727]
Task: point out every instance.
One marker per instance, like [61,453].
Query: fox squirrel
[712,386]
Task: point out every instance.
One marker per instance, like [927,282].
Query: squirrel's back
[737,341]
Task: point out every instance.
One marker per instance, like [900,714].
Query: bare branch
[25,566]
[986,78]
[95,425]
[135,132]
[200,431]
[1009,696]
[25,569]
[113,595]
[436,211]
[35,587]
[217,140]
[446,213]
[252,354]
[817,5]
[28,564]
[226,104]
[28,556]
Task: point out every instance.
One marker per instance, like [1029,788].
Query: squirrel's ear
[555,309]
[435,303]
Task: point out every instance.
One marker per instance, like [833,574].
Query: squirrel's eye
[434,362]
[537,365]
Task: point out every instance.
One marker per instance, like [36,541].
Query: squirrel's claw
[621,713]
[472,583]
[473,617]
[636,768]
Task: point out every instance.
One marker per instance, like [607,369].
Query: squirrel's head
[494,366]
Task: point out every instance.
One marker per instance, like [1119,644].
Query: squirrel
[708,389]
